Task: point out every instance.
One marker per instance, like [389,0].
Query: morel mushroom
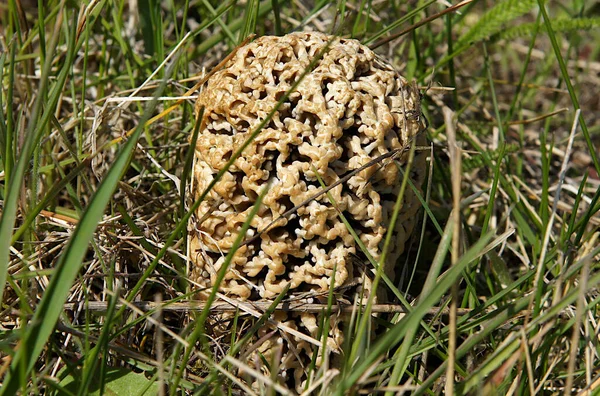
[351,108]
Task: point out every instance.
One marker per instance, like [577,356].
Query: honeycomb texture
[351,108]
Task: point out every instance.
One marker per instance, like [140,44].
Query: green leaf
[37,121]
[118,382]
[563,25]
[495,19]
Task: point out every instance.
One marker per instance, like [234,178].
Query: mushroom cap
[351,108]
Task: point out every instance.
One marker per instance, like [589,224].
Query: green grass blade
[494,19]
[277,17]
[91,358]
[8,153]
[217,18]
[50,195]
[234,26]
[189,160]
[199,330]
[388,238]
[50,307]
[398,23]
[250,19]
[183,222]
[34,130]
[443,247]
[434,271]
[399,331]
[562,25]
[565,75]
[3,126]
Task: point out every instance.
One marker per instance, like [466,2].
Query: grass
[497,294]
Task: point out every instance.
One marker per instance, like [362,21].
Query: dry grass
[510,165]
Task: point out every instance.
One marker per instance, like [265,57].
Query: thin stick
[455,162]
[583,278]
[296,306]
[538,118]
[419,24]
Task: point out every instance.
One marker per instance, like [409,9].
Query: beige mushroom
[350,109]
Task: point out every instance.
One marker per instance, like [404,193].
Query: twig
[455,164]
[296,306]
[419,24]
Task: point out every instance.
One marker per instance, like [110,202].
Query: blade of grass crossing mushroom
[389,283]
[386,246]
[199,323]
[69,263]
[260,322]
[37,121]
[183,222]
[389,155]
[321,192]
[189,160]
[360,343]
